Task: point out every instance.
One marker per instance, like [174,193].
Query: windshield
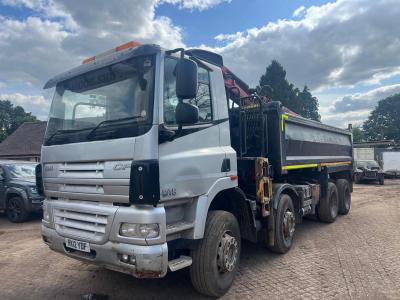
[21,170]
[120,92]
[367,164]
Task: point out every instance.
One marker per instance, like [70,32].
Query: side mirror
[186,79]
[186,114]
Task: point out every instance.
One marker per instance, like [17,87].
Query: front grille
[82,169]
[99,181]
[370,174]
[82,225]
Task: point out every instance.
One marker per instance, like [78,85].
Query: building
[24,143]
[373,150]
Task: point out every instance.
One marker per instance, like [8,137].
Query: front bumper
[150,261]
[35,204]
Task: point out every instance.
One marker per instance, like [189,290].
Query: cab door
[193,161]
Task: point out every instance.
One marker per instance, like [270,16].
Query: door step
[180,263]
[178,227]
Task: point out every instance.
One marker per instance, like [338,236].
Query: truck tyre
[16,210]
[328,208]
[285,224]
[343,188]
[216,257]
[382,180]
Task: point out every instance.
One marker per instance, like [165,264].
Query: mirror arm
[179,131]
[181,50]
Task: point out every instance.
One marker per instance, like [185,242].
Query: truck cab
[150,163]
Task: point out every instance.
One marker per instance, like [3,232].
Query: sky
[346,51]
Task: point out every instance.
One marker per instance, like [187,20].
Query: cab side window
[202,100]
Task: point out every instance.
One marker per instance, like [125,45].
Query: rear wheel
[285,224]
[344,194]
[216,258]
[16,211]
[328,208]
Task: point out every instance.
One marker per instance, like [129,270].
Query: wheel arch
[233,200]
[15,192]
[284,188]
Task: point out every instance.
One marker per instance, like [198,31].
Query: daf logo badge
[122,166]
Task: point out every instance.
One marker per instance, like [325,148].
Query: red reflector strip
[233,177]
[88,60]
[127,45]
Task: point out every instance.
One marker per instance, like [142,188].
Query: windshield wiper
[61,131]
[110,122]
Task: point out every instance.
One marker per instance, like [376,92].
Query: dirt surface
[357,257]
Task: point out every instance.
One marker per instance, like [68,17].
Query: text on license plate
[77,245]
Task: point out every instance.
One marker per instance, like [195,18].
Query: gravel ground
[357,257]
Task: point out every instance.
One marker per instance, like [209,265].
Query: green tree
[384,121]
[281,89]
[358,134]
[309,104]
[301,102]
[11,117]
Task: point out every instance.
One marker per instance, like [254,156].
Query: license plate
[77,245]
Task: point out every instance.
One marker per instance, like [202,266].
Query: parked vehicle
[368,171]
[391,164]
[158,160]
[18,192]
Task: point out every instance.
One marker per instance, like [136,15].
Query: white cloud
[361,101]
[65,31]
[35,104]
[337,44]
[195,4]
[299,12]
[343,43]
[356,107]
[229,37]
[31,50]
[342,120]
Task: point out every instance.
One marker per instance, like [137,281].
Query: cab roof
[114,57]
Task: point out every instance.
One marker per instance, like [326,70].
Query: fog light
[125,258]
[144,231]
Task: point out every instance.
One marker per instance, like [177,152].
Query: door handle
[226,165]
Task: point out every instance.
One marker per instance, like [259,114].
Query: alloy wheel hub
[227,253]
[288,224]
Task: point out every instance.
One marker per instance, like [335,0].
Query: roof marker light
[122,47]
[127,45]
[88,60]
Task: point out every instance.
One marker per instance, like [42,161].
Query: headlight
[46,214]
[33,189]
[145,231]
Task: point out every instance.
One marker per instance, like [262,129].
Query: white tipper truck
[157,160]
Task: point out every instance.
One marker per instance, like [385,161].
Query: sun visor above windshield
[107,60]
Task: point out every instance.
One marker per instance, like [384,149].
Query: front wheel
[382,180]
[216,257]
[16,211]
[285,224]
